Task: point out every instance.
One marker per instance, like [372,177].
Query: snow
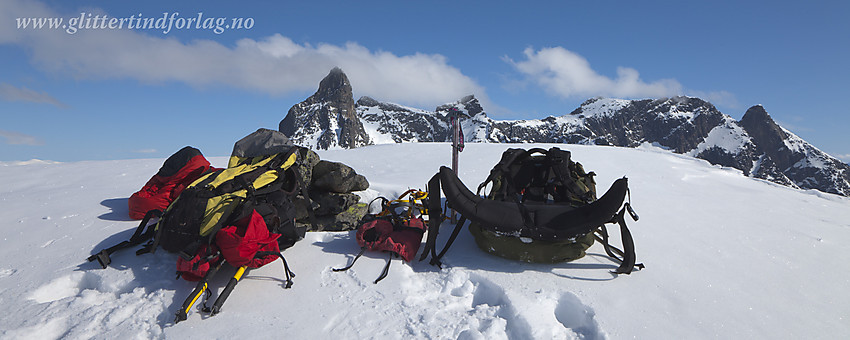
[375,136]
[728,136]
[726,257]
[29,162]
[570,121]
[815,158]
[794,142]
[476,130]
[532,123]
[603,106]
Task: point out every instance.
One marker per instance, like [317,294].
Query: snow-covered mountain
[726,257]
[327,119]
[756,144]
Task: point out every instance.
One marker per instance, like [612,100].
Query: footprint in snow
[578,317]
[7,272]
[67,286]
[476,307]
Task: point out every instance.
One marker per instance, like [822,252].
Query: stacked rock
[331,186]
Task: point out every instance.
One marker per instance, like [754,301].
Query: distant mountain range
[756,144]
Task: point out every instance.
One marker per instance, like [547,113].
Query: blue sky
[141,93]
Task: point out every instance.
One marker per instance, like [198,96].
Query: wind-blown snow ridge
[726,257]
[31,161]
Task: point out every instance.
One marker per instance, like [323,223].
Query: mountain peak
[468,104]
[757,113]
[335,87]
[758,124]
[328,118]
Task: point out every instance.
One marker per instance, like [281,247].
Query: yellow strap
[415,195]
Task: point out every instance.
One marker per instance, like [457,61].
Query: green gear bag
[530,250]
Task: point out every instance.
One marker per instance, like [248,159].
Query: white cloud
[17,138]
[566,74]
[11,93]
[274,64]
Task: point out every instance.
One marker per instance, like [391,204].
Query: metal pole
[455,142]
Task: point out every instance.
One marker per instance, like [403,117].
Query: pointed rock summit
[335,87]
[761,127]
[327,119]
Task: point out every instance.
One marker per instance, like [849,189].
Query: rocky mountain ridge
[756,144]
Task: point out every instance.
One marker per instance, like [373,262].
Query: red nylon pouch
[240,243]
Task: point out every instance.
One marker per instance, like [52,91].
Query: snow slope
[726,257]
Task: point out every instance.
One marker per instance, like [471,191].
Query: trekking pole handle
[227,290]
[200,288]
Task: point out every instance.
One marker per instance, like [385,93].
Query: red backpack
[398,233]
[179,170]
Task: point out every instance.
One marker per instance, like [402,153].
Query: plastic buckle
[103,259]
[632,212]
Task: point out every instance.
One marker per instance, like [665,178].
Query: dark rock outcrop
[327,119]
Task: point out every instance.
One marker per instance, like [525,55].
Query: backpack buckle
[103,259]
[632,212]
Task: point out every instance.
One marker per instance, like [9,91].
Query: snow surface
[728,136]
[31,161]
[605,107]
[815,158]
[726,257]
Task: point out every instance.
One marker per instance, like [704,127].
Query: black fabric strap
[435,217]
[362,250]
[386,268]
[435,260]
[139,236]
[289,274]
[626,257]
[484,184]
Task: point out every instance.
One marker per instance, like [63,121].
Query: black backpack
[542,208]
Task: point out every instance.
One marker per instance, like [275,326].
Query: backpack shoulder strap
[626,257]
[139,236]
[435,216]
[435,219]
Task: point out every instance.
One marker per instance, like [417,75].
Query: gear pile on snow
[243,215]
